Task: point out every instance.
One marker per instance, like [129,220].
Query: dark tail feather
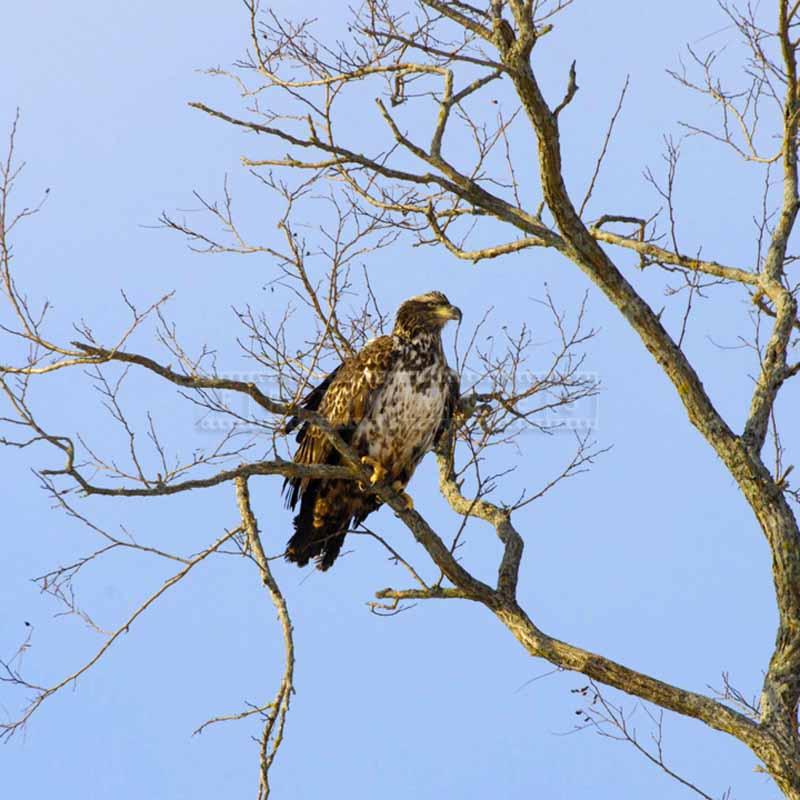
[309,542]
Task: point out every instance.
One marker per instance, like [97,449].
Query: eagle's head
[426,313]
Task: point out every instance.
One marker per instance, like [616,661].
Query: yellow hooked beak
[448,312]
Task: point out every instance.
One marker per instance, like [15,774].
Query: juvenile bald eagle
[390,401]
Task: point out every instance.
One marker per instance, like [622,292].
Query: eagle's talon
[378,470]
[407,499]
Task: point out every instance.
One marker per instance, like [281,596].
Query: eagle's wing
[344,399]
[312,400]
[327,507]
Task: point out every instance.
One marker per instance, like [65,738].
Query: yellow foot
[398,487]
[378,470]
[321,509]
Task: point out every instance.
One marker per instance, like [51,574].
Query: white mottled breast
[402,423]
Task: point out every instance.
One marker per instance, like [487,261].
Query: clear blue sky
[652,558]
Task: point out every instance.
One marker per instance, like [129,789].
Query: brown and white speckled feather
[389,401]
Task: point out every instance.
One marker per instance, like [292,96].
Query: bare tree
[446,56]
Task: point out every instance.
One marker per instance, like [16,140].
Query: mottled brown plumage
[389,401]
